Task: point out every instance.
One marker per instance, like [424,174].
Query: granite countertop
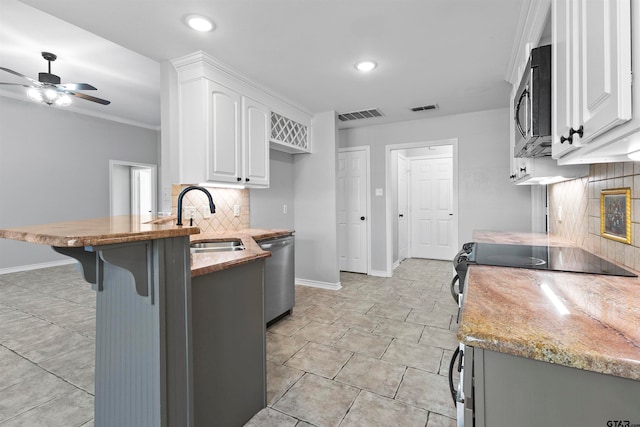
[506,310]
[131,228]
[209,262]
[97,232]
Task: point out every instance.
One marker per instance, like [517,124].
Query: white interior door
[403,208]
[132,188]
[432,208]
[352,211]
[141,191]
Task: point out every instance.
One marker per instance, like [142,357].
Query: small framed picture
[615,214]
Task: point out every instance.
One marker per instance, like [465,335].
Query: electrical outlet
[284,209]
[236,210]
[189,212]
[206,212]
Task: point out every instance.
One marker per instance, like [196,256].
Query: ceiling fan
[49,90]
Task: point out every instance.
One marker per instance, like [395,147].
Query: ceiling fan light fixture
[50,94]
[34,94]
[199,23]
[63,100]
[365,66]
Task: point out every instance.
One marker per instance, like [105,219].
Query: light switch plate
[236,210]
[206,212]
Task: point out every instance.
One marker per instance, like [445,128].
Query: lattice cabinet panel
[289,135]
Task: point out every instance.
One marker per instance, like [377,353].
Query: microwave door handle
[524,93]
[530,104]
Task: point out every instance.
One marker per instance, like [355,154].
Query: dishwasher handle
[275,244]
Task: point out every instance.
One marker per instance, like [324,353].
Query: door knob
[362,218]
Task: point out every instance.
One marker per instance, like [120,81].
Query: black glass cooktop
[552,258]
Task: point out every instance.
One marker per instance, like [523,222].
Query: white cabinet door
[256,130]
[224,161]
[591,70]
[562,92]
[604,64]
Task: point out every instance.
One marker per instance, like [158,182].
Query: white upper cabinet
[224,145]
[592,92]
[224,136]
[225,125]
[256,121]
[561,81]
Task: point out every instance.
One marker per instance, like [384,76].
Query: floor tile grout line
[45,369]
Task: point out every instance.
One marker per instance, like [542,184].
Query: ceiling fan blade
[14,84]
[77,86]
[15,73]
[88,97]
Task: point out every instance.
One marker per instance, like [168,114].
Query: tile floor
[374,353]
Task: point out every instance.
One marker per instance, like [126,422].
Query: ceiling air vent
[357,115]
[424,108]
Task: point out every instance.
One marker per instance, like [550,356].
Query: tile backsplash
[224,198]
[574,211]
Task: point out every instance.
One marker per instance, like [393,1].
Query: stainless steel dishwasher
[279,281]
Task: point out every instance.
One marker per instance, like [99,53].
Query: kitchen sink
[217,246]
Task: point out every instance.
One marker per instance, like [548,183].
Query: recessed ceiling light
[199,23]
[365,66]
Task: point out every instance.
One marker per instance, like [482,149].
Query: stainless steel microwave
[532,106]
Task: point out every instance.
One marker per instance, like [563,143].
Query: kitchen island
[529,363]
[149,313]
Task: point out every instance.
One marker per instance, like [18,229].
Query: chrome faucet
[212,207]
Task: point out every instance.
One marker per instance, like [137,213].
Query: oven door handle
[455,294]
[452,365]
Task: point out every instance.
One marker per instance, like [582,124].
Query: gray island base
[170,352]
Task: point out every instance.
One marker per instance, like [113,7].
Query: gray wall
[315,191]
[266,210]
[487,199]
[54,166]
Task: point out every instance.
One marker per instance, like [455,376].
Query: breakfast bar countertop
[97,231]
[133,228]
[510,310]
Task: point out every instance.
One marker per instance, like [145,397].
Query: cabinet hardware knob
[563,139]
[246,179]
[524,169]
[580,132]
[362,218]
[401,215]
[512,176]
[239,179]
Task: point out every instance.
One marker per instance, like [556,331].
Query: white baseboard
[396,265]
[379,273]
[29,267]
[316,284]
